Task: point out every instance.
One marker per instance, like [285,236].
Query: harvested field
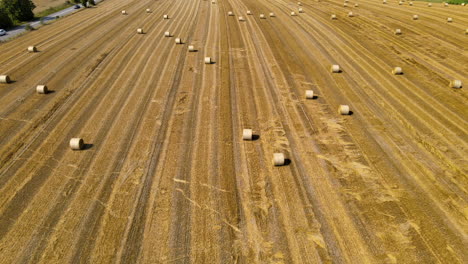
[164,175]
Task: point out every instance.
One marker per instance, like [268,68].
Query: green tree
[83,2]
[5,20]
[20,10]
[92,2]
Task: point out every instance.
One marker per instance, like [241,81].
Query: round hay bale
[299,3]
[140,31]
[272,15]
[415,17]
[356,5]
[449,20]
[230,13]
[397,31]
[384,1]
[466,31]
[335,68]
[410,3]
[165,16]
[191,48]
[397,71]
[213,2]
[247,134]
[5,79]
[343,110]
[76,143]
[148,10]
[462,4]
[241,18]
[178,41]
[249,12]
[309,94]
[124,12]
[278,159]
[41,89]
[207,60]
[350,14]
[333,17]
[429,4]
[167,34]
[446,4]
[293,13]
[346,1]
[262,16]
[32,49]
[345,5]
[456,84]
[300,10]
[400,3]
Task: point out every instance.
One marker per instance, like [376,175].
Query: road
[19,30]
[165,176]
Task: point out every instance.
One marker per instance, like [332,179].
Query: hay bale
[167,34]
[345,5]
[400,3]
[309,94]
[335,68]
[124,12]
[278,159]
[148,10]
[178,41]
[397,31]
[5,79]
[384,1]
[293,13]
[165,16]
[429,4]
[410,3]
[356,5]
[230,13]
[299,3]
[300,10]
[247,134]
[139,31]
[76,143]
[32,49]
[446,4]
[397,71]
[350,14]
[191,48]
[415,17]
[449,20]
[343,110]
[466,31]
[208,60]
[333,17]
[456,84]
[272,15]
[249,12]
[41,89]
[241,18]
[262,16]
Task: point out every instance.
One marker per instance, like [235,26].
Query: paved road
[18,30]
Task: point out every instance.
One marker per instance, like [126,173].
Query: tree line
[15,10]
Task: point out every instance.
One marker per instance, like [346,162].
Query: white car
[2,32]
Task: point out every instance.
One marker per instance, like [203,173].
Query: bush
[28,27]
